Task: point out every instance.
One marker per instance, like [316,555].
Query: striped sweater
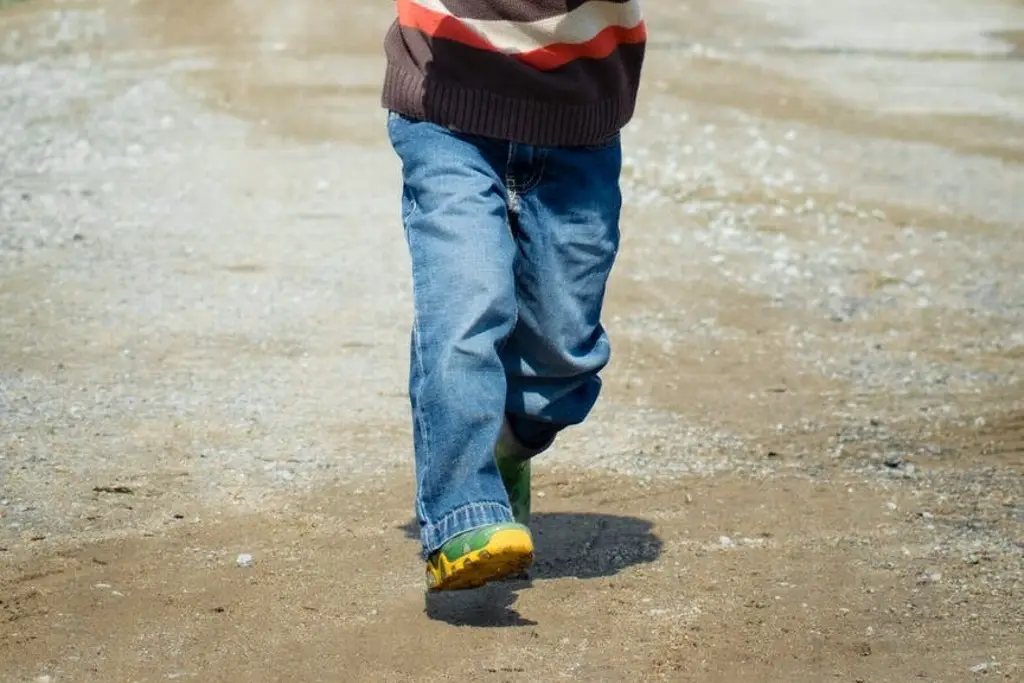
[541,72]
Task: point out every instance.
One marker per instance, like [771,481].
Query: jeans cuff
[510,445]
[465,518]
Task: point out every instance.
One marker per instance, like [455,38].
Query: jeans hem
[510,445]
[461,520]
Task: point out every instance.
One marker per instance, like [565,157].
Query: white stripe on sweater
[576,27]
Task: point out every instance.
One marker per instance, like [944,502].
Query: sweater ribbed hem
[528,122]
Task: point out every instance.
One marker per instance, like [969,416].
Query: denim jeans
[511,248]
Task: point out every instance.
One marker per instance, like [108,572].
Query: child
[505,115]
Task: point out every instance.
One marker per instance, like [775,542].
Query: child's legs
[567,233]
[456,223]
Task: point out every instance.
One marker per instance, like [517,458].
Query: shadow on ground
[568,545]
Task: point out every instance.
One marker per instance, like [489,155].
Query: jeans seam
[420,422]
[511,190]
[535,178]
[413,208]
[418,417]
[515,307]
[510,187]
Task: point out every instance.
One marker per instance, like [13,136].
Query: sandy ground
[807,462]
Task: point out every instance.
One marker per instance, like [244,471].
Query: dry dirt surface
[806,466]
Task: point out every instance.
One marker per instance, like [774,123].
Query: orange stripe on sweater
[437,25]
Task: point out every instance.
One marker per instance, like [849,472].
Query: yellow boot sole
[507,552]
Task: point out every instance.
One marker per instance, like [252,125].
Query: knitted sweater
[540,72]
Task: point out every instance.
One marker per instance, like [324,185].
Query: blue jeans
[511,248]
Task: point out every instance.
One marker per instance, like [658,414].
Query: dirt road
[807,464]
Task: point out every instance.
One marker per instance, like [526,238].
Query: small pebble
[893,460]
[244,560]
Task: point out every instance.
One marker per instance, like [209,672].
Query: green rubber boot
[513,460]
[515,475]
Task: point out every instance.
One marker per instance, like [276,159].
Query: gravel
[190,308]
